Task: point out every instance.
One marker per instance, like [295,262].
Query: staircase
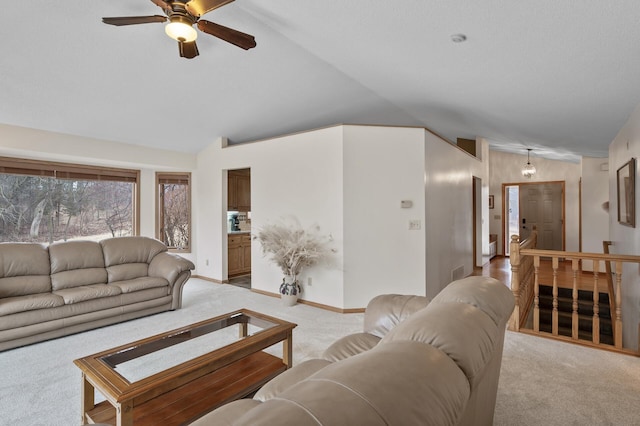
[585,313]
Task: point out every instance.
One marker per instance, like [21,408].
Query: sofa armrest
[384,312]
[350,345]
[169,266]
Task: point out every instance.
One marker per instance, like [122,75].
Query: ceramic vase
[289,283]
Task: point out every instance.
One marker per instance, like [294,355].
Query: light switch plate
[415,225]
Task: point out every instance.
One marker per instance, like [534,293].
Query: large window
[47,202]
[174,210]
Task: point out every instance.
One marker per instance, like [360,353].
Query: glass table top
[150,356]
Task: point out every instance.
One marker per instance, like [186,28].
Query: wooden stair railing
[610,290]
[522,269]
[526,290]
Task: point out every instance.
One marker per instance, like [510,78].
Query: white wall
[35,144]
[297,175]
[329,177]
[347,179]
[506,168]
[382,167]
[626,240]
[595,219]
[449,175]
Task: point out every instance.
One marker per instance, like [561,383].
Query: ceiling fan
[182,15]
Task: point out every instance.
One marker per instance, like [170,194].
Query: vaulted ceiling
[559,76]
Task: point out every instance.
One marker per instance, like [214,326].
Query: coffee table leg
[87,395]
[287,350]
[124,414]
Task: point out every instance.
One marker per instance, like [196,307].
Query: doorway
[238,226]
[539,205]
[478,258]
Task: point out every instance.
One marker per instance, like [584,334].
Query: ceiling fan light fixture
[180,29]
[529,169]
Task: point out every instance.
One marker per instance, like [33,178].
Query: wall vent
[458,273]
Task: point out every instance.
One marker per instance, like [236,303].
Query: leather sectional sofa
[416,363]
[68,287]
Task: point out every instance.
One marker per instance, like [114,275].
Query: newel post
[514,259]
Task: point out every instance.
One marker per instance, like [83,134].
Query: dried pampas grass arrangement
[292,247]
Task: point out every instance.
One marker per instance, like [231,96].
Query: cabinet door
[246,250]
[232,192]
[235,260]
[244,193]
[235,255]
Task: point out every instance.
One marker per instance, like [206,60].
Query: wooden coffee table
[175,377]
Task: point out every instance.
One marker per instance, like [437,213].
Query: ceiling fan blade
[162,4]
[133,20]
[200,7]
[188,50]
[245,41]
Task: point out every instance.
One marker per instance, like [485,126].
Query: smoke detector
[458,38]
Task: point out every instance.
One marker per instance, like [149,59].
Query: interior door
[541,206]
[512,214]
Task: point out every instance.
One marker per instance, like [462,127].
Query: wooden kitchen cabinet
[239,190]
[246,250]
[232,192]
[239,254]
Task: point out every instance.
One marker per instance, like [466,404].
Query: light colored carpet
[542,382]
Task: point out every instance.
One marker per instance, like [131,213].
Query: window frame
[173,178]
[59,170]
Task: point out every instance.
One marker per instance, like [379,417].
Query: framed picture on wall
[626,182]
[490,201]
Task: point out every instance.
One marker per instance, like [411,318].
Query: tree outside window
[48,202]
[174,210]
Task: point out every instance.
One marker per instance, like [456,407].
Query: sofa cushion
[87,292]
[76,263]
[289,378]
[70,255]
[386,311]
[464,332]
[20,278]
[350,345]
[137,284]
[118,251]
[24,286]
[78,277]
[127,271]
[32,302]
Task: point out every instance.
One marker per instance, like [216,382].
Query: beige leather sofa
[416,363]
[68,287]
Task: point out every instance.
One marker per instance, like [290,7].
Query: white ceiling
[559,76]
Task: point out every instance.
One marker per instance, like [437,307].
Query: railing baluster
[575,320]
[617,339]
[536,294]
[554,313]
[514,260]
[595,329]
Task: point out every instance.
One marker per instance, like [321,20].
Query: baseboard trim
[213,280]
[302,301]
[314,304]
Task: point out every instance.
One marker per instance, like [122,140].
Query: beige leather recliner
[415,363]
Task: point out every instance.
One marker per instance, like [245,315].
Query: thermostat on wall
[406,204]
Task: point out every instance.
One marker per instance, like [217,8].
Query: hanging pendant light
[528,170]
